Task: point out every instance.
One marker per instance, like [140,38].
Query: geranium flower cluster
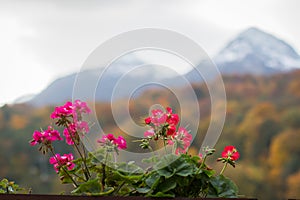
[110,140]
[231,153]
[65,160]
[45,137]
[98,173]
[70,117]
[163,125]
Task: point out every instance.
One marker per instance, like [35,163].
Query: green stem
[223,169]
[84,159]
[119,187]
[104,171]
[203,163]
[165,145]
[85,168]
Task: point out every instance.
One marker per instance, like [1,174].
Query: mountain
[252,51]
[23,99]
[129,76]
[257,52]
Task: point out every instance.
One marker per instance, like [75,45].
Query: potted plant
[174,174]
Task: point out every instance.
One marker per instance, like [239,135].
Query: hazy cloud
[53,38]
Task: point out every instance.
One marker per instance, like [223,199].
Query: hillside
[263,117]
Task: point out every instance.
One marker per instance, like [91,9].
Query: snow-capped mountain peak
[255,47]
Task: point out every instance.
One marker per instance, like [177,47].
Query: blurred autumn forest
[262,121]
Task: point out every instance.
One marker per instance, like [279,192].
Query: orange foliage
[293,185]
[18,122]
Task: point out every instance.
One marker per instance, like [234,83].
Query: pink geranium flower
[62,111]
[70,133]
[82,126]
[81,106]
[163,124]
[46,136]
[149,133]
[110,140]
[182,139]
[58,161]
[121,143]
[107,138]
[158,117]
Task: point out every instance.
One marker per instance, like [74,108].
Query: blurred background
[254,44]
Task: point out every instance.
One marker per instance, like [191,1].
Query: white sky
[42,40]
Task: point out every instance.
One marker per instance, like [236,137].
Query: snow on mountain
[255,51]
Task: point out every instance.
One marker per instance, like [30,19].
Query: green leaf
[223,187]
[153,180]
[129,168]
[184,169]
[195,159]
[209,173]
[97,156]
[172,164]
[152,159]
[166,172]
[182,182]
[128,178]
[143,190]
[91,186]
[166,161]
[4,183]
[167,185]
[106,191]
[161,194]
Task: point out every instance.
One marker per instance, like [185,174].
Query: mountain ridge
[252,51]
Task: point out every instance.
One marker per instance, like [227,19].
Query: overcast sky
[42,40]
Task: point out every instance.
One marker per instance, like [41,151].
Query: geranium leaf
[153,180]
[143,190]
[167,185]
[161,194]
[91,186]
[224,187]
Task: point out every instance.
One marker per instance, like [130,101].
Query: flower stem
[84,160]
[85,168]
[202,164]
[104,171]
[165,145]
[223,169]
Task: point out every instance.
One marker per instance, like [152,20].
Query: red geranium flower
[148,120]
[230,152]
